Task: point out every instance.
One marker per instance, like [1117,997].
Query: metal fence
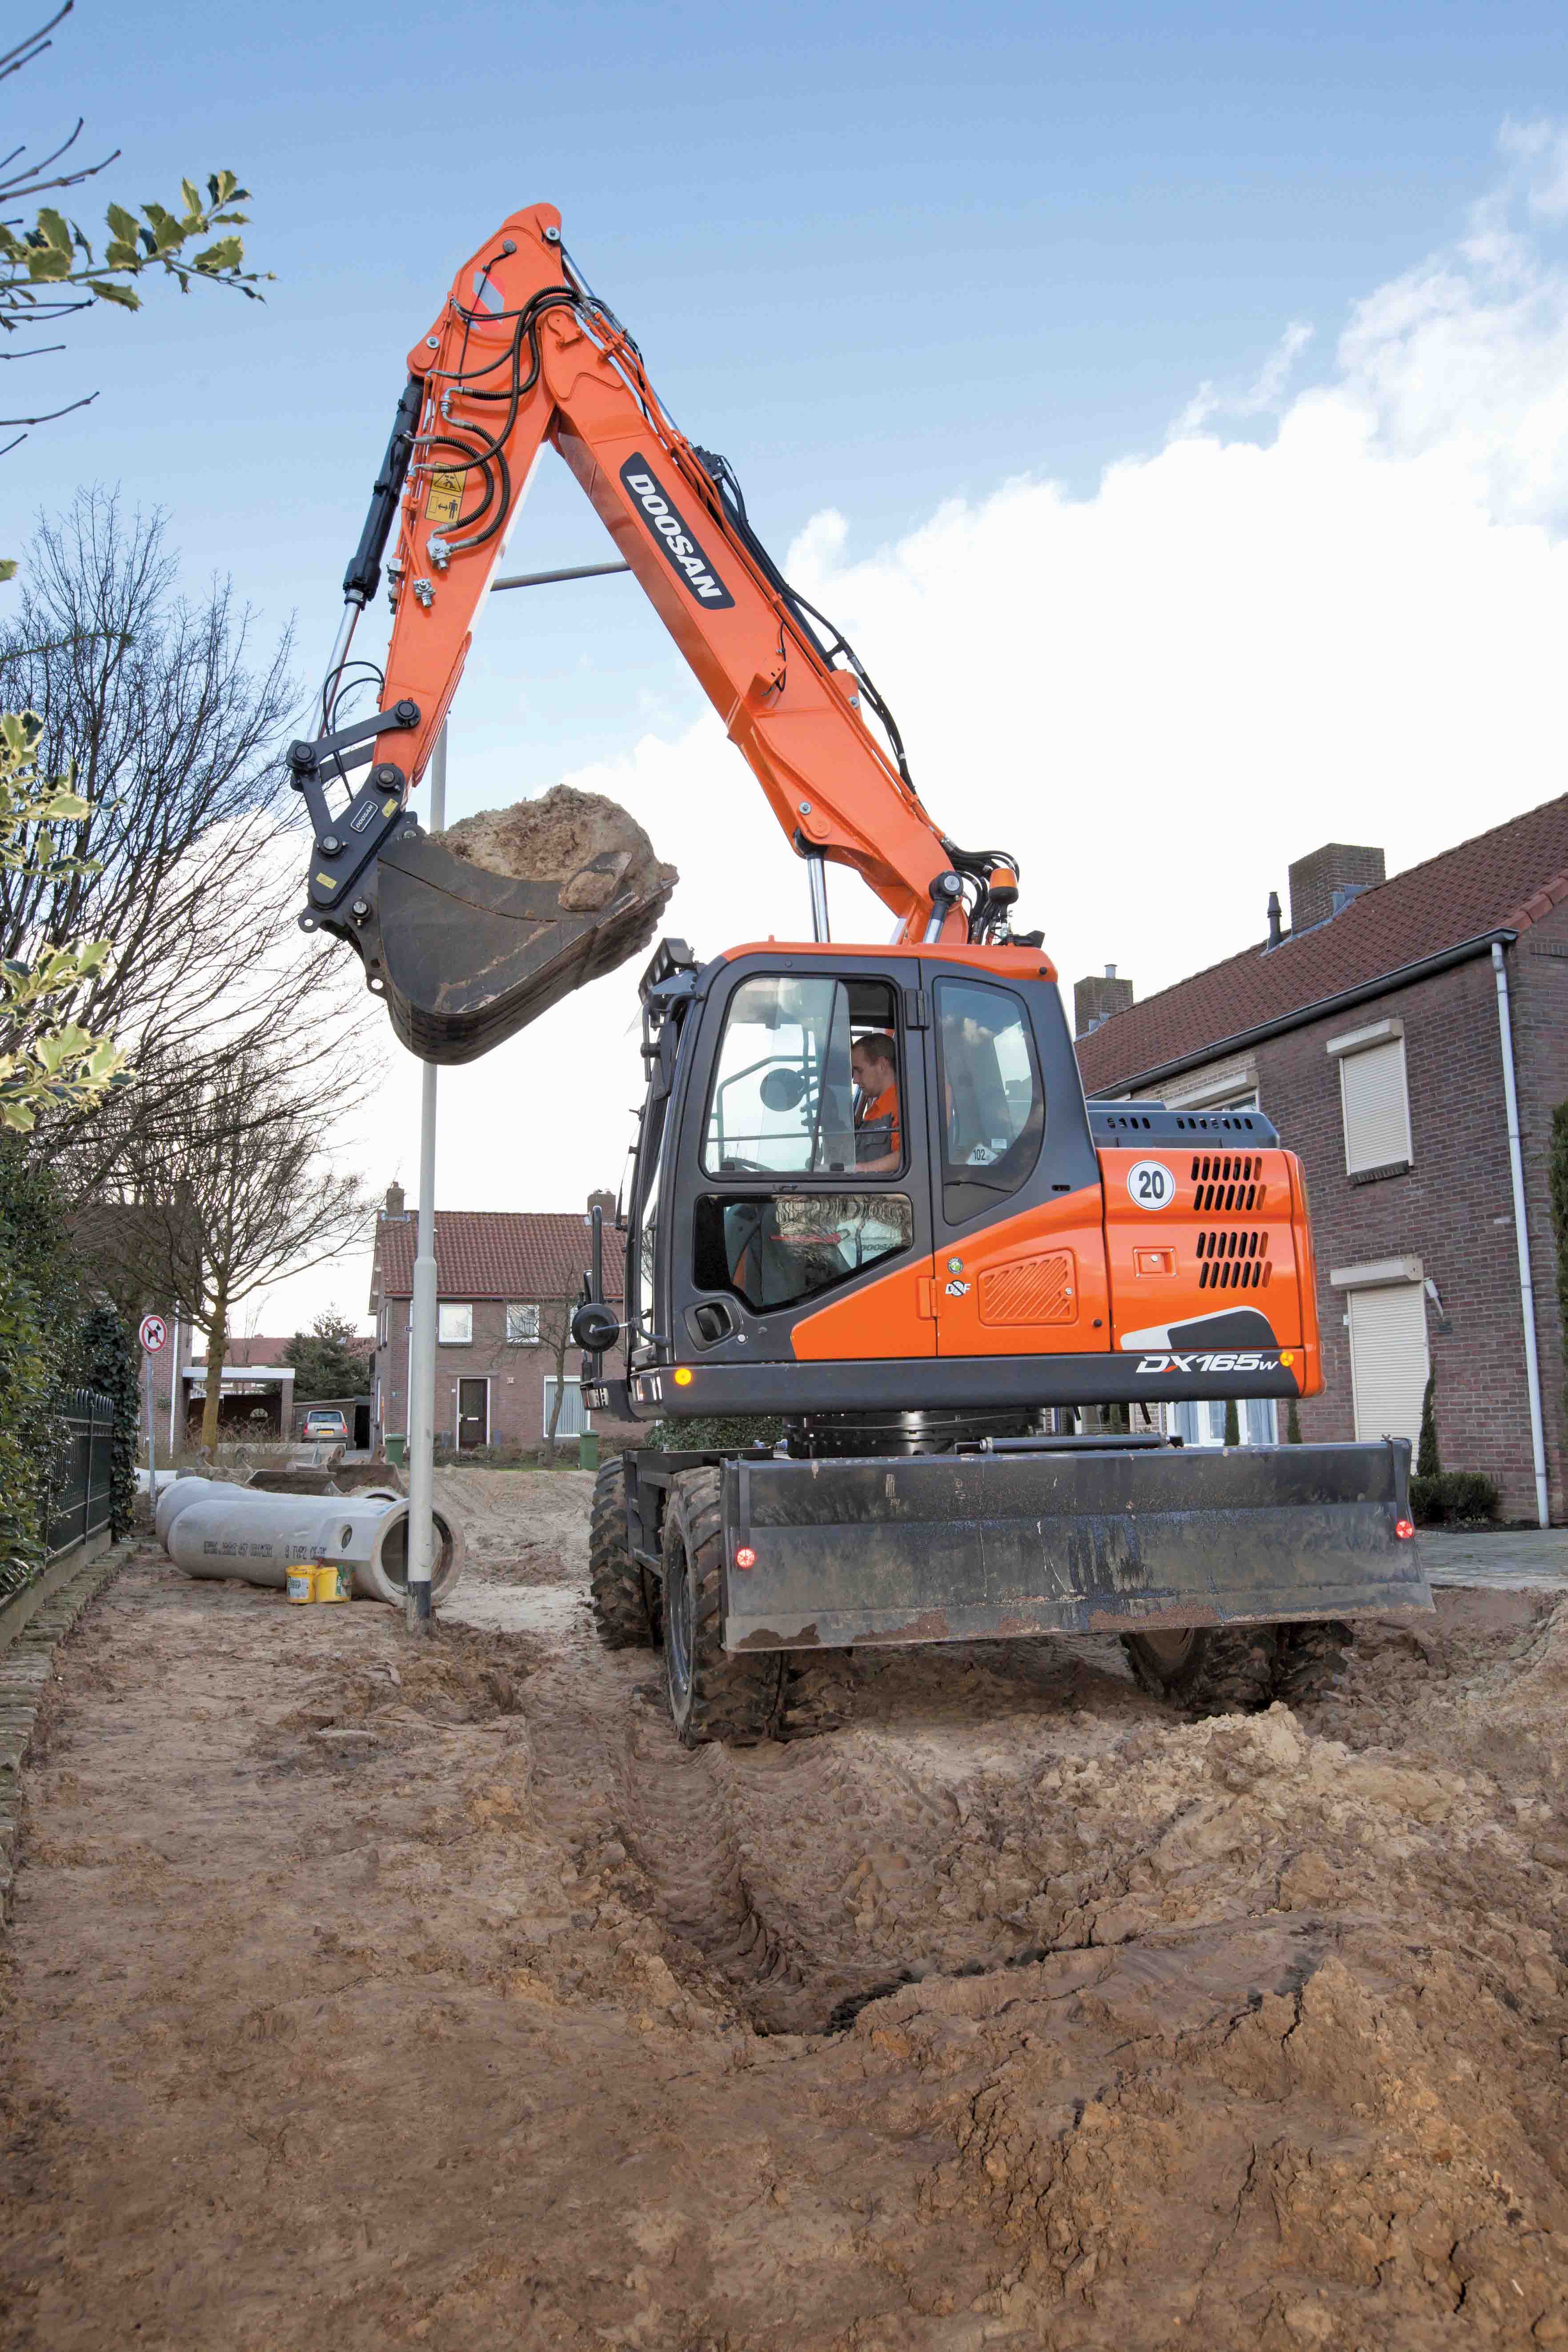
[78,1508]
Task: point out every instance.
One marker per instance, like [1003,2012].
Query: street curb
[25,1665]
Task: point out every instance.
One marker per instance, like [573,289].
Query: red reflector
[745,1556]
[1404,1527]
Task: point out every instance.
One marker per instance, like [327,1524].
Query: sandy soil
[361,1996]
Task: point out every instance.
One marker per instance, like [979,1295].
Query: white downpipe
[173,1384]
[1521,1239]
[422,1335]
[210,1527]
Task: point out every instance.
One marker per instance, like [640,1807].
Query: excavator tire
[1311,1659]
[714,1695]
[625,1598]
[1208,1669]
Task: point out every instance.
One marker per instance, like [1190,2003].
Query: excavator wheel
[1208,1669]
[626,1598]
[1311,1659]
[714,1695]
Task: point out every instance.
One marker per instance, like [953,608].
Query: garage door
[1388,1359]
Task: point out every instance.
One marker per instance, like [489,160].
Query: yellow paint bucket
[300,1583]
[333,1584]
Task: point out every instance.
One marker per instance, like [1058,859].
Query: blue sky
[880,255]
[1171,402]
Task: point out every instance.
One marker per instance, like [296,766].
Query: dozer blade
[464,958]
[948,1547]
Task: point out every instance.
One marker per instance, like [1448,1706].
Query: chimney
[1323,884]
[395,1199]
[605,1200]
[1094,1000]
[1275,933]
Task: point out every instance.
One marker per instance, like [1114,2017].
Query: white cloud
[1159,694]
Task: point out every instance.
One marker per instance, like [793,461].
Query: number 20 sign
[1151,1184]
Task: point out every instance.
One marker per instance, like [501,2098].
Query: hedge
[1454,1499]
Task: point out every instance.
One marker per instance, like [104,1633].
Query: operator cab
[822,1124]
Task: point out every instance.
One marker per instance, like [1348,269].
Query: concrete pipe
[235,1531]
[177,1495]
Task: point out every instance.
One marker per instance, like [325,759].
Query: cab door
[791,1238]
[1017,1208]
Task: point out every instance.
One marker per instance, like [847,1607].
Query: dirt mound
[1017,2012]
[587,846]
[454,1675]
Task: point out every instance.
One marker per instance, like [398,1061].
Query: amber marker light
[1404,1528]
[1286,1357]
[683,1377]
[745,1556]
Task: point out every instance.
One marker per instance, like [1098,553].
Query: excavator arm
[523,353]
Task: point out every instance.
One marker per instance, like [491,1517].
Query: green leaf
[123,254]
[7,567]
[56,228]
[193,197]
[108,291]
[48,263]
[63,804]
[226,254]
[123,222]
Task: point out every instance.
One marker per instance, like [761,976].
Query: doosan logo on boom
[672,533]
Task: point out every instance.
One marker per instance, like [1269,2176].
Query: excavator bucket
[464,958]
[469,935]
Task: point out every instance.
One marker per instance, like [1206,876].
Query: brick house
[1378,1033]
[506,1283]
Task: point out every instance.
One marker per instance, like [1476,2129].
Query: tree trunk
[217,1342]
[556,1408]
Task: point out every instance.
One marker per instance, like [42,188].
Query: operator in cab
[873,1064]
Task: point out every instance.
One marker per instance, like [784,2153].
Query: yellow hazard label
[326,881]
[445,501]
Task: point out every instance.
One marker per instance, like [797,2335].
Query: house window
[523,1327]
[1258,1421]
[1374,1097]
[574,1420]
[1388,1359]
[455,1326]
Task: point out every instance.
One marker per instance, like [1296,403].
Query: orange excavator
[871,1210]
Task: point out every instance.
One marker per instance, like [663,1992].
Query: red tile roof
[260,1351]
[519,1254]
[1502,880]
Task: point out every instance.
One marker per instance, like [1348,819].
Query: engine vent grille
[1032,1290]
[1235,1259]
[1228,1181]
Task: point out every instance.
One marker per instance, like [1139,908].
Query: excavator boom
[521,354]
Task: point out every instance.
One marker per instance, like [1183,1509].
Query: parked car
[325,1425]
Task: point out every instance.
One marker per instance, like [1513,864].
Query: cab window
[994,1106]
[777,1249]
[807,1081]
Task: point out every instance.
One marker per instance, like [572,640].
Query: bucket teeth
[465,957]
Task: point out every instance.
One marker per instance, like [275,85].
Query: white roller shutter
[1388,1360]
[1377,1106]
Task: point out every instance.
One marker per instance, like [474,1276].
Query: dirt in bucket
[588,845]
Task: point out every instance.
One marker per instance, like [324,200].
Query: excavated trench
[1014,2011]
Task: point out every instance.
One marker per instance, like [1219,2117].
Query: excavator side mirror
[781,1088]
[595,1327]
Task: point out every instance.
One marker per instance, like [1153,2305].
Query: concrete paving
[1511,1559]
